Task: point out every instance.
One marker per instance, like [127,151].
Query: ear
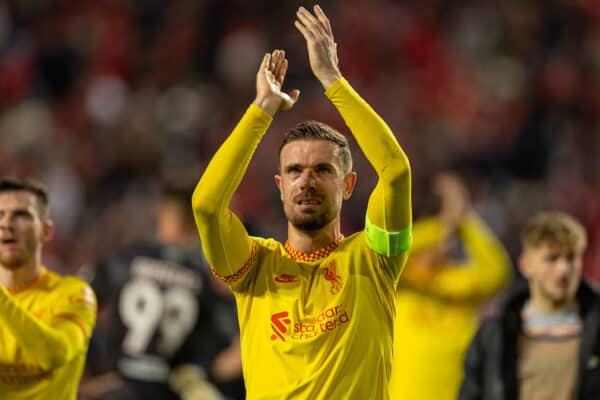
[524,263]
[349,183]
[278,184]
[47,231]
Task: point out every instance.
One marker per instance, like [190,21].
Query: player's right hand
[269,83]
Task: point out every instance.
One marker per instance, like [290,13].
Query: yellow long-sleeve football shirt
[437,309]
[313,326]
[44,333]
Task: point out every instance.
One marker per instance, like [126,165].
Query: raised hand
[269,82]
[454,196]
[322,49]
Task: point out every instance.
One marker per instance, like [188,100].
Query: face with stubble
[313,183]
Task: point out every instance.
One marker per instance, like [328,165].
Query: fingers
[309,25]
[306,17]
[274,64]
[323,19]
[307,35]
[282,71]
[279,64]
[269,82]
[275,61]
[264,65]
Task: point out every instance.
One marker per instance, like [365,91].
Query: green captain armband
[387,243]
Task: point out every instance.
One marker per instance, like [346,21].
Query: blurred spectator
[169,328]
[455,264]
[545,341]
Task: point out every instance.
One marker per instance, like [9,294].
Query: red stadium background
[104,99]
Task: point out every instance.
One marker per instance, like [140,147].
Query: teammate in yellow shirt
[456,263]
[45,320]
[316,313]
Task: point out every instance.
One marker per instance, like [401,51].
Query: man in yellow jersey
[45,320]
[316,313]
[456,263]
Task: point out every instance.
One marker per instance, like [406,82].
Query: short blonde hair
[556,229]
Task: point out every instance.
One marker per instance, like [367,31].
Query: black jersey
[163,313]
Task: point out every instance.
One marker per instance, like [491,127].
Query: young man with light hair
[545,342]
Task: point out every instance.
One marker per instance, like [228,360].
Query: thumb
[289,99]
[294,94]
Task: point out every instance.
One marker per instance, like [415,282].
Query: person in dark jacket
[545,341]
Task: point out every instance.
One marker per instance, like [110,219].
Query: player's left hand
[322,49]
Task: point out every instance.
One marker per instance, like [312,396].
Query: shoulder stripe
[241,272]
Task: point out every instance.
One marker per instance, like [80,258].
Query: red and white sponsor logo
[328,320]
[279,324]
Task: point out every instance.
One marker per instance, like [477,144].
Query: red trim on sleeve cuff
[241,272]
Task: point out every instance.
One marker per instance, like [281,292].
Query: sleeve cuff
[335,86]
[256,112]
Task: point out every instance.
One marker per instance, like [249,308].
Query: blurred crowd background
[103,100]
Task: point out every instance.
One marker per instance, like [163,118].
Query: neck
[309,241]
[547,306]
[12,278]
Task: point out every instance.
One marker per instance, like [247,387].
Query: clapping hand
[269,82]
[321,46]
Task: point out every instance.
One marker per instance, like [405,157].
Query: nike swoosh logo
[285,278]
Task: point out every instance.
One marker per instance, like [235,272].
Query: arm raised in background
[486,269]
[487,266]
[389,213]
[225,240]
